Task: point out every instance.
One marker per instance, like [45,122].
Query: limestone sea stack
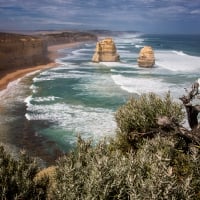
[105,51]
[146,57]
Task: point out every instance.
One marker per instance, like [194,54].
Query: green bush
[140,115]
[17,177]
[150,173]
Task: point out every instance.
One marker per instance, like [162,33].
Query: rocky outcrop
[146,57]
[105,51]
[19,51]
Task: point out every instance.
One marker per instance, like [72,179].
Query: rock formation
[19,51]
[23,51]
[105,51]
[146,57]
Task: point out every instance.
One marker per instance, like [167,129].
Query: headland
[24,53]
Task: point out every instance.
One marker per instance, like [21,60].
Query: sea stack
[105,51]
[146,57]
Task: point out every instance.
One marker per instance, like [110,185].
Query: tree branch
[192,111]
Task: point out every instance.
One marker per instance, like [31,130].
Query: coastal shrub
[140,115]
[150,173]
[17,177]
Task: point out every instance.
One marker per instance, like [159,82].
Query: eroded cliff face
[146,57]
[23,51]
[19,51]
[105,51]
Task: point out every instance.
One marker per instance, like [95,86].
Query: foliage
[17,177]
[150,173]
[140,115]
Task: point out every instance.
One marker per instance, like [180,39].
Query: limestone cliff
[146,57]
[18,51]
[105,51]
[23,51]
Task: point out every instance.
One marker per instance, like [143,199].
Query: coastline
[27,138]
[52,54]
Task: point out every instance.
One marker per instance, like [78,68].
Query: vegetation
[156,171]
[141,115]
[152,157]
[17,178]
[146,116]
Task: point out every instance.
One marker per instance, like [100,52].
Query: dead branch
[189,136]
[186,99]
[192,110]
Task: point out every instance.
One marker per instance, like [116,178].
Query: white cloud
[195,12]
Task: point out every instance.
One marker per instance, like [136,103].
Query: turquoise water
[80,97]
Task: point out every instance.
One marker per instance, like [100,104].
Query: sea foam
[140,85]
[177,61]
[75,118]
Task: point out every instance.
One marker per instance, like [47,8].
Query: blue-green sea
[45,111]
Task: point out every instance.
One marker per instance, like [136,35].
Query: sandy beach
[52,53]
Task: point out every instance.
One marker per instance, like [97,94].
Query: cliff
[146,57]
[105,51]
[18,51]
[23,51]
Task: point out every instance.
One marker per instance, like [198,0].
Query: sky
[148,16]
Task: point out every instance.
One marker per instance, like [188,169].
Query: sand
[19,73]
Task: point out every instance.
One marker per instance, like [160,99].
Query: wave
[117,64]
[75,118]
[44,99]
[138,46]
[140,85]
[50,76]
[128,40]
[120,51]
[33,88]
[110,64]
[28,100]
[180,53]
[177,61]
[10,85]
[81,53]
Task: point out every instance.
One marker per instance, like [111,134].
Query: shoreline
[35,146]
[53,54]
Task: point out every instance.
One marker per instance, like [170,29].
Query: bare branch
[192,111]
[186,99]
[190,137]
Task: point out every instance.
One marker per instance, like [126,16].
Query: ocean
[45,111]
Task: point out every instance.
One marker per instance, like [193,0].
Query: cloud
[169,12]
[122,14]
[195,12]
